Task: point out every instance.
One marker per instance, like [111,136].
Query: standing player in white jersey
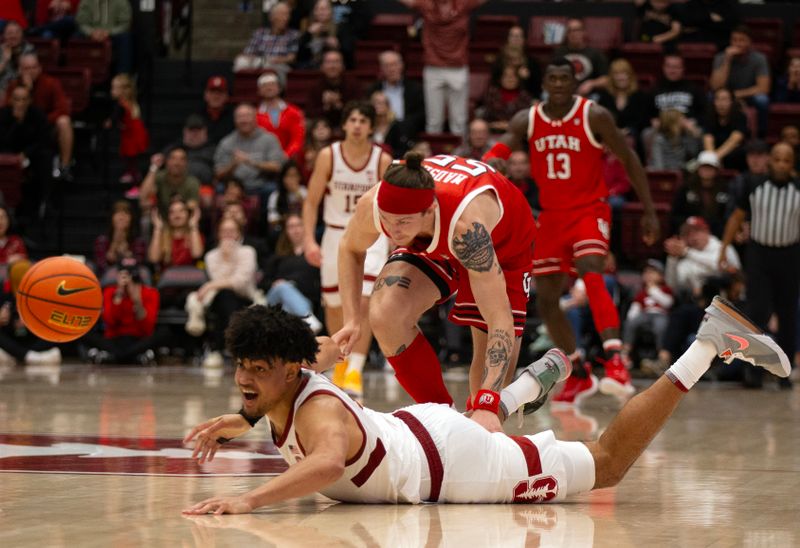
[430,451]
[343,172]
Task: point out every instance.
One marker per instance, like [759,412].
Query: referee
[772,267]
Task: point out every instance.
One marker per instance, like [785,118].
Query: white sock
[356,361]
[526,388]
[692,364]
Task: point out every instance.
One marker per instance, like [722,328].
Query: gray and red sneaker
[735,336]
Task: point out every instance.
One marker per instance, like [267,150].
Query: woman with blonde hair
[386,131]
[134,139]
[676,142]
[623,98]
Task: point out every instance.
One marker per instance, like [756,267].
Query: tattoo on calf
[383,281]
[499,349]
[474,248]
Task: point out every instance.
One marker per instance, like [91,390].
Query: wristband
[487,400]
[252,421]
[499,150]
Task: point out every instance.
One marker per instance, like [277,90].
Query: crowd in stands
[225,194]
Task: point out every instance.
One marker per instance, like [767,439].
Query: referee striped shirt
[774,211]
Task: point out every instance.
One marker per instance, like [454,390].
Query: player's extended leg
[401,295]
[617,380]
[581,383]
[725,332]
[477,369]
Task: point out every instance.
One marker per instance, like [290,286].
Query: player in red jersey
[565,136]
[460,227]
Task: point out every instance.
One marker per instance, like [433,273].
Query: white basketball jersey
[387,468]
[347,185]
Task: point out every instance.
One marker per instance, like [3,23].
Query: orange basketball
[59,299]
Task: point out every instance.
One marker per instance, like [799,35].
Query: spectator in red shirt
[179,242]
[12,248]
[445,77]
[49,97]
[285,120]
[130,311]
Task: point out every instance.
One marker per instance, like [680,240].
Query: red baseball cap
[217,83]
[696,222]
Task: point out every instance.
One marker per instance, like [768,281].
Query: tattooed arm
[472,246]
[359,235]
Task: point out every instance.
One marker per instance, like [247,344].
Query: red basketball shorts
[568,235]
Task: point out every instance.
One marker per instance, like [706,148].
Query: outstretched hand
[220,505]
[206,435]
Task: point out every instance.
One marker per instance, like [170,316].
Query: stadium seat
[298,85]
[47,50]
[11,179]
[174,285]
[697,57]
[493,29]
[780,115]
[77,84]
[368,51]
[245,87]
[772,53]
[481,57]
[663,184]
[766,30]
[96,56]
[390,26]
[633,247]
[603,33]
[646,59]
[441,143]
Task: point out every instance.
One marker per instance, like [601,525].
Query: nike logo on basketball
[743,343]
[63,291]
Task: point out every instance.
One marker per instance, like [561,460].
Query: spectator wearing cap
[274,46]
[445,76]
[49,97]
[333,91]
[165,181]
[406,98]
[284,120]
[650,308]
[693,255]
[787,88]
[199,150]
[704,195]
[772,204]
[130,311]
[215,110]
[103,20]
[746,72]
[250,154]
[725,129]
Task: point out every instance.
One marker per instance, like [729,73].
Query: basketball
[59,299]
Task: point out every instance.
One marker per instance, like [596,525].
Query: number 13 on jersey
[558,165]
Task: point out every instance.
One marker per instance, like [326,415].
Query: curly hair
[268,333]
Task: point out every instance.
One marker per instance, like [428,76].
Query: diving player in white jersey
[430,452]
[343,172]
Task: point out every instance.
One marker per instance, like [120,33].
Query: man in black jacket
[406,97]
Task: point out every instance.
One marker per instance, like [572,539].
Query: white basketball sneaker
[734,336]
[549,370]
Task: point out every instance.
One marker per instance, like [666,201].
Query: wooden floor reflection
[91,457]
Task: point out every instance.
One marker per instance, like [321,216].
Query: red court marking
[158,456]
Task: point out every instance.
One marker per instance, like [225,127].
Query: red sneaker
[576,389]
[617,381]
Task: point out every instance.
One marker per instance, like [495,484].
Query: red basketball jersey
[566,159]
[458,181]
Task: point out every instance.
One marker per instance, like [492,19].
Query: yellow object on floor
[339,372]
[353,384]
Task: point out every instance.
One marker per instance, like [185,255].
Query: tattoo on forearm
[474,248]
[400,281]
[499,349]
